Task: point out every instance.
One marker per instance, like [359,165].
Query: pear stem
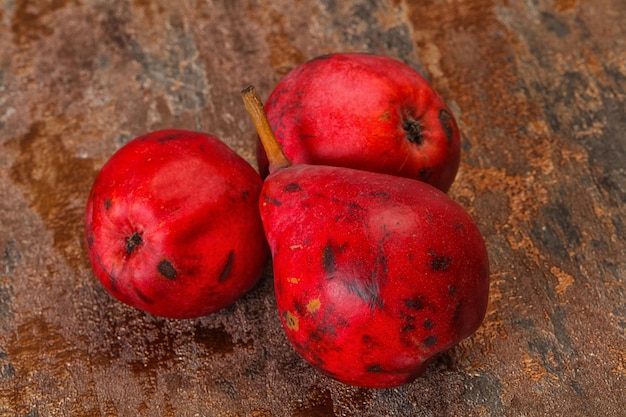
[254,106]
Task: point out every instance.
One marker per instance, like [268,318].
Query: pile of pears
[377,271]
[375,275]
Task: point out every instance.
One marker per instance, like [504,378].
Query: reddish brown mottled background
[539,90]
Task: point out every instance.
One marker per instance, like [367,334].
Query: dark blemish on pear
[133,242]
[378,194]
[367,340]
[166,269]
[445,119]
[292,187]
[416,303]
[439,263]
[107,204]
[407,328]
[425,174]
[413,129]
[428,324]
[451,290]
[328,328]
[229,264]
[271,200]
[304,136]
[316,336]
[163,140]
[329,260]
[374,368]
[351,205]
[340,322]
[430,341]
[299,308]
[142,296]
[381,262]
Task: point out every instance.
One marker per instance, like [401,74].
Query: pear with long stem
[375,275]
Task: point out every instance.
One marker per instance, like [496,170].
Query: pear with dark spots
[173,226]
[363,264]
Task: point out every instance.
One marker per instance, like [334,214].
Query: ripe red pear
[375,275]
[173,227]
[367,112]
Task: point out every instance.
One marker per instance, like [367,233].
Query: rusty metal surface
[539,90]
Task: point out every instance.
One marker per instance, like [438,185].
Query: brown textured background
[539,90]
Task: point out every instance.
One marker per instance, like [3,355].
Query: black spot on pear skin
[409,327]
[271,200]
[430,341]
[425,174]
[329,260]
[429,324]
[381,261]
[166,269]
[328,328]
[299,308]
[226,271]
[381,195]
[416,303]
[173,136]
[292,187]
[142,296]
[375,368]
[107,204]
[451,290]
[315,336]
[445,119]
[439,263]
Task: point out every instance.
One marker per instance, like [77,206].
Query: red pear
[364,111]
[375,275]
[173,227]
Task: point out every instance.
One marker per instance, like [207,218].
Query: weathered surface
[539,89]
